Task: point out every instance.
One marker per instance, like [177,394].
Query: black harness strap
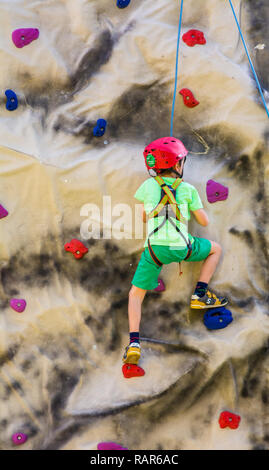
[170,219]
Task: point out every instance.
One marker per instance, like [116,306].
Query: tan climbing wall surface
[60,359]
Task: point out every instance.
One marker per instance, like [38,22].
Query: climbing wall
[63,321]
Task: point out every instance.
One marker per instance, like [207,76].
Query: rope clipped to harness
[167,201]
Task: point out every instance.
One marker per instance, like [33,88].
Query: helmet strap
[179,175]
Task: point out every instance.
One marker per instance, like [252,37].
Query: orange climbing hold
[229,419]
[132,370]
[188,98]
[193,37]
[77,248]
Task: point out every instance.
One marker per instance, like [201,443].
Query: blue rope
[250,61]
[176,73]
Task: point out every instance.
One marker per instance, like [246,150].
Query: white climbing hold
[260,47]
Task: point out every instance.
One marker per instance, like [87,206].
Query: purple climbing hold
[18,305]
[24,36]
[19,438]
[110,446]
[3,212]
[216,191]
[161,286]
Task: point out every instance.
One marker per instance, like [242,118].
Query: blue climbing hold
[100,128]
[217,318]
[123,3]
[12,100]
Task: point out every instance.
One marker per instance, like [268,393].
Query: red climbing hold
[216,191]
[132,370]
[77,248]
[229,419]
[3,212]
[160,287]
[188,98]
[193,37]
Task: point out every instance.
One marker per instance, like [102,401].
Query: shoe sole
[198,307]
[132,359]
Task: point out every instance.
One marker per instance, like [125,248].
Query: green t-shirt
[188,199]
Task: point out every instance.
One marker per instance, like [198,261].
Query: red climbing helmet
[164,153]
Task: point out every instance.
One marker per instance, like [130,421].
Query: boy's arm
[144,215]
[201,217]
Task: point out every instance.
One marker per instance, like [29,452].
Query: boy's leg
[210,264]
[136,297]
[146,276]
[204,297]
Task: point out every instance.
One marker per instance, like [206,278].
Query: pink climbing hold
[216,191]
[188,98]
[18,305]
[160,287]
[110,446]
[3,212]
[77,248]
[193,37]
[19,438]
[24,36]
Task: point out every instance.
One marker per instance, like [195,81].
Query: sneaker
[209,300]
[132,354]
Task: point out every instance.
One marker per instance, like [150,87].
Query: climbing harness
[168,208]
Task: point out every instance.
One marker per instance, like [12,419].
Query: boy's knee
[216,248]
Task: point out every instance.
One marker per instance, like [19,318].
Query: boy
[167,202]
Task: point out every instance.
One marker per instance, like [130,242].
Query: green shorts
[147,272]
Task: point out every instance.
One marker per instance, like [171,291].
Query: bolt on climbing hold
[217,318]
[132,370]
[19,305]
[110,446]
[193,37]
[123,3]
[19,438]
[3,212]
[76,247]
[160,287]
[188,98]
[12,100]
[229,419]
[216,191]
[100,128]
[24,36]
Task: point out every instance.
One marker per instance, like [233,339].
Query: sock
[134,337]
[200,289]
